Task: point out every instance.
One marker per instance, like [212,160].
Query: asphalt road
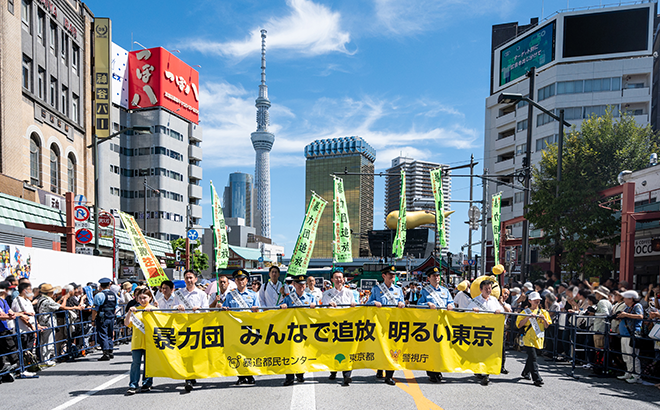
[88,384]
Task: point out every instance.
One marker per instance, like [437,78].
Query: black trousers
[436,374]
[7,345]
[531,365]
[388,374]
[345,373]
[290,376]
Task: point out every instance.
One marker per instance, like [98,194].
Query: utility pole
[145,206]
[527,163]
[188,252]
[484,217]
[470,224]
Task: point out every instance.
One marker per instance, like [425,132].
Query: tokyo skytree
[262,141]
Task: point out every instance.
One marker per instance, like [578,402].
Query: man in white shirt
[338,295]
[485,303]
[316,292]
[166,298]
[272,293]
[192,298]
[225,286]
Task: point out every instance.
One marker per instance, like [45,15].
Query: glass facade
[237,198]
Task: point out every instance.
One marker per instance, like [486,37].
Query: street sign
[80,225]
[193,235]
[474,213]
[80,200]
[472,262]
[81,213]
[84,235]
[105,219]
[368,284]
[85,251]
[261,259]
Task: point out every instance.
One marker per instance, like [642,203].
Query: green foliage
[592,160]
[200,261]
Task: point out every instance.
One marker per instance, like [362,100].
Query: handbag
[654,333]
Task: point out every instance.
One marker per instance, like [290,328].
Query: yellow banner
[228,343]
[148,261]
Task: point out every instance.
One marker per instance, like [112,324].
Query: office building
[419,191]
[586,61]
[237,198]
[336,155]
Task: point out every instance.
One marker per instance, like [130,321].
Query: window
[35,160]
[546,92]
[75,57]
[572,113]
[27,73]
[521,149]
[25,13]
[114,191]
[52,38]
[53,92]
[71,172]
[518,197]
[522,125]
[543,119]
[64,46]
[569,87]
[10,6]
[54,169]
[65,102]
[41,21]
[542,143]
[74,108]
[600,110]
[616,83]
[522,103]
[41,83]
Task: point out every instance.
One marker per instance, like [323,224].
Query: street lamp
[95,147]
[513,98]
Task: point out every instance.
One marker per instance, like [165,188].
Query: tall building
[45,100]
[156,175]
[419,191]
[237,198]
[586,61]
[352,154]
[262,141]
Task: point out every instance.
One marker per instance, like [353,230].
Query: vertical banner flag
[400,238]
[220,242]
[436,183]
[341,246]
[496,213]
[302,253]
[102,76]
[148,262]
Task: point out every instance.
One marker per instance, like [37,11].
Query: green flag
[496,213]
[341,246]
[220,243]
[302,252]
[400,238]
[436,183]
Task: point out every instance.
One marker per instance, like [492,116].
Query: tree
[199,262]
[574,224]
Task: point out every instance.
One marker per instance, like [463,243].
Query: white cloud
[310,29]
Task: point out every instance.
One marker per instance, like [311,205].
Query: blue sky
[409,77]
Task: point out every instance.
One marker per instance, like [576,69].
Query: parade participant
[462,298]
[245,299]
[225,285]
[298,298]
[487,304]
[138,345]
[435,296]
[311,282]
[105,302]
[535,323]
[273,291]
[386,294]
[339,295]
[356,294]
[192,298]
[166,298]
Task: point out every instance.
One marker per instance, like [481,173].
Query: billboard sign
[119,66]
[102,83]
[159,78]
[535,50]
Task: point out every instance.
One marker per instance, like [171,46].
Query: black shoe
[287,382]
[241,380]
[333,376]
[390,381]
[104,358]
[526,376]
[504,371]
[485,381]
[188,386]
[250,380]
[538,382]
[433,379]
[346,382]
[193,381]
[301,379]
[8,378]
[131,391]
[112,355]
[145,389]
[479,376]
[379,374]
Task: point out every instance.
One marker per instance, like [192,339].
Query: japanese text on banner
[221,247]
[436,183]
[148,262]
[400,238]
[342,249]
[302,252]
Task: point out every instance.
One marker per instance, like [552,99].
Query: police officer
[244,298]
[386,294]
[105,303]
[296,299]
[435,296]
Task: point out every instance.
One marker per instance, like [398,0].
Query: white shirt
[213,293]
[318,295]
[21,304]
[270,293]
[461,300]
[196,298]
[163,303]
[490,305]
[340,297]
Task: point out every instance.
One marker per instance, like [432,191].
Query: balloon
[413,219]
[498,269]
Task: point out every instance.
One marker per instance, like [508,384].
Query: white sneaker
[587,366]
[633,379]
[624,376]
[50,363]
[28,374]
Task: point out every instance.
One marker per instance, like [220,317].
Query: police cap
[432,271]
[240,274]
[389,269]
[104,281]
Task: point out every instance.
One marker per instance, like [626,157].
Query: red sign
[159,78]
[84,236]
[105,220]
[80,213]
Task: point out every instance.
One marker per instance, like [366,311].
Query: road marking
[413,389]
[304,396]
[91,392]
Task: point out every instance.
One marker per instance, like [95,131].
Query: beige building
[45,100]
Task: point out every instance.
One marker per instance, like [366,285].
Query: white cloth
[270,293]
[21,304]
[627,351]
[197,298]
[172,303]
[489,305]
[461,300]
[318,295]
[340,297]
